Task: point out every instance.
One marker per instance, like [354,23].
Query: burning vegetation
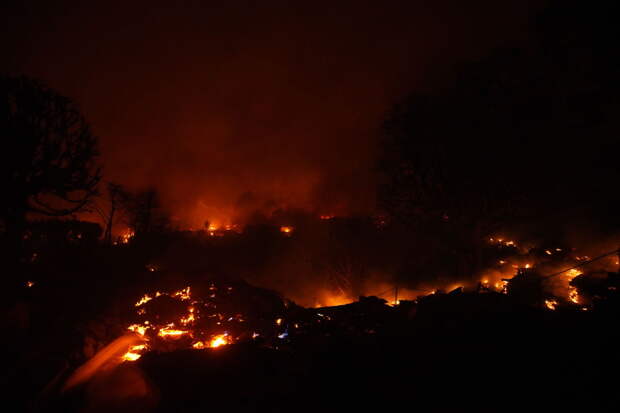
[271,280]
[210,315]
[170,318]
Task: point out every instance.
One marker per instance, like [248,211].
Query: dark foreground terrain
[450,352]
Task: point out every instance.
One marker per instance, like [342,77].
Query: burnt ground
[454,352]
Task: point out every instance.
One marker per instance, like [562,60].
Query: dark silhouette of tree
[109,212]
[520,135]
[49,162]
[143,212]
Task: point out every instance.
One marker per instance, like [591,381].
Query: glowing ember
[573,273]
[551,304]
[198,322]
[169,331]
[132,354]
[136,328]
[286,229]
[144,300]
[502,286]
[190,317]
[220,340]
[29,284]
[126,236]
[573,294]
[503,242]
[129,356]
[184,294]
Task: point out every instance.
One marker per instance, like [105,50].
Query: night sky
[227,107]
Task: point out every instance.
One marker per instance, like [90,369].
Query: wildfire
[132,354]
[219,340]
[169,331]
[136,328]
[503,242]
[203,324]
[502,286]
[126,236]
[190,317]
[573,294]
[570,274]
[144,300]
[183,294]
[286,230]
[551,304]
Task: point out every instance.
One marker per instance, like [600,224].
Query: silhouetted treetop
[49,161]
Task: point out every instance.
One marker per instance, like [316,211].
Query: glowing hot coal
[213,317]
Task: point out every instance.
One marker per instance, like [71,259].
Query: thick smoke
[227,107]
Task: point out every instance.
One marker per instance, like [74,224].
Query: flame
[328,298]
[502,286]
[144,300]
[129,356]
[502,242]
[137,328]
[219,340]
[551,304]
[190,317]
[109,356]
[573,294]
[183,294]
[184,325]
[169,331]
[132,354]
[286,229]
[126,236]
[570,274]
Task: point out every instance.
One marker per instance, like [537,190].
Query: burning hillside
[207,315]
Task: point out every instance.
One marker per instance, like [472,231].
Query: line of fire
[307,208]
